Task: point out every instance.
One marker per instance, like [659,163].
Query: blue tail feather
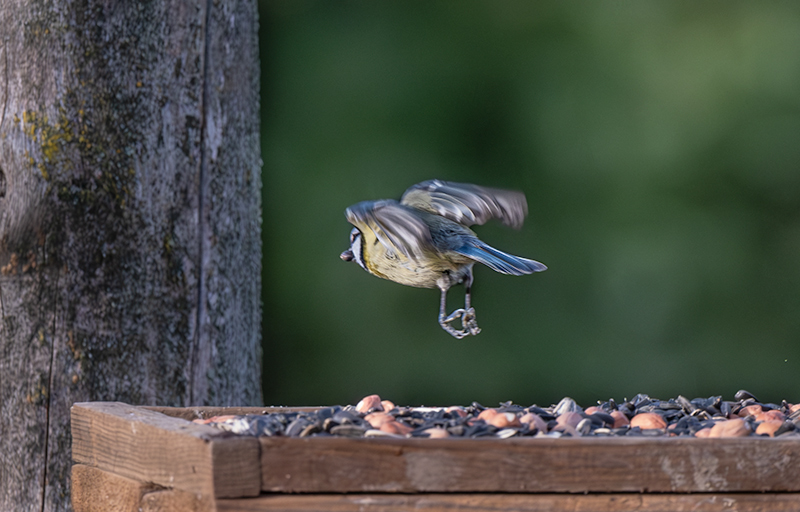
[499,261]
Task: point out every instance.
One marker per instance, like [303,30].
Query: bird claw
[469,324]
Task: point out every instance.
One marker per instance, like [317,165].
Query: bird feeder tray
[157,459]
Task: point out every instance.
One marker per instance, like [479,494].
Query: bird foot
[469,324]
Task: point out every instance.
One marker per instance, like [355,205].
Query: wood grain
[95,490]
[149,447]
[176,501]
[772,502]
[130,205]
[530,465]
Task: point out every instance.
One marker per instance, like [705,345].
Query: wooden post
[129,219]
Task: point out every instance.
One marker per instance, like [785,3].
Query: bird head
[355,252]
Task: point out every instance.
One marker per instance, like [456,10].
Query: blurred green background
[658,144]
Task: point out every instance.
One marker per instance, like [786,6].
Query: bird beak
[347,255]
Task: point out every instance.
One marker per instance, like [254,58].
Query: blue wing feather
[499,261]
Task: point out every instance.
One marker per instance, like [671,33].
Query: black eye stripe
[363,247]
[353,234]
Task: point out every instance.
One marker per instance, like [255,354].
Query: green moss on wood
[86,148]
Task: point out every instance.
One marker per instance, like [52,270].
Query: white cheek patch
[355,246]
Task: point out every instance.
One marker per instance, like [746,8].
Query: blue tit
[424,241]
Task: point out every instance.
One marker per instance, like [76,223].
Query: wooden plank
[150,447]
[95,490]
[176,501]
[530,465]
[772,502]
[194,413]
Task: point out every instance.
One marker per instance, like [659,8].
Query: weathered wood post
[129,219]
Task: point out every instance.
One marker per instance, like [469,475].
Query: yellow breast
[394,266]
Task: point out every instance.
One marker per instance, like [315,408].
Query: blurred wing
[395,225]
[468,204]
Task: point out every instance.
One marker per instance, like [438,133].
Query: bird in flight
[424,240]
